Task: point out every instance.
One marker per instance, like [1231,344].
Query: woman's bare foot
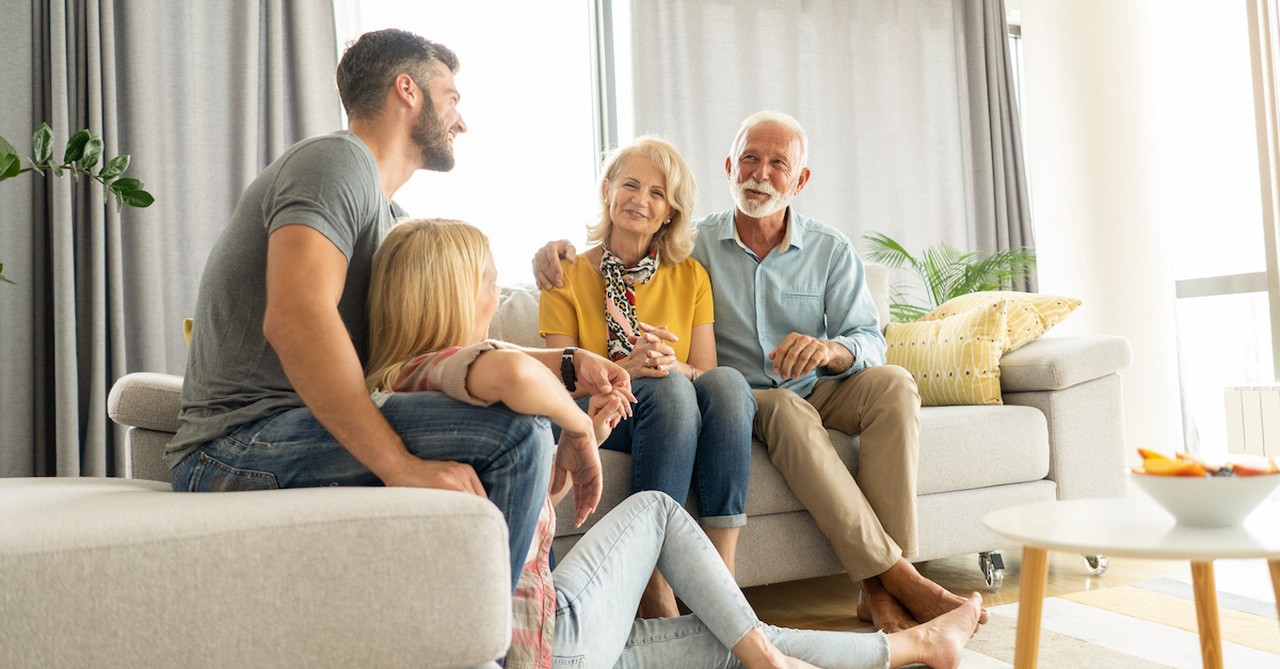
[878,607]
[924,599]
[940,642]
[658,601]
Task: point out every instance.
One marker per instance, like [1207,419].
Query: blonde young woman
[637,297]
[433,293]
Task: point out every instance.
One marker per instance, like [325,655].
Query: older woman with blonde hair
[637,297]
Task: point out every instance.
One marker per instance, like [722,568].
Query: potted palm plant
[944,272]
[82,155]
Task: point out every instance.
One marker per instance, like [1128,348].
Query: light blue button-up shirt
[812,283]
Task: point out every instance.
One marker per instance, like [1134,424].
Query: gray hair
[780,118]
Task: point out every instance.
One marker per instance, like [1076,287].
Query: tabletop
[1135,527]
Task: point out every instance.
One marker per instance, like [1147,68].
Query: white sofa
[115,572]
[1059,435]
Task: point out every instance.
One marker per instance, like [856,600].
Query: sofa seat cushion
[961,448]
[385,577]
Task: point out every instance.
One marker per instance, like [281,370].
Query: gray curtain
[909,107]
[202,95]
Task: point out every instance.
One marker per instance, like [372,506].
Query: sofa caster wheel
[992,565]
[1097,564]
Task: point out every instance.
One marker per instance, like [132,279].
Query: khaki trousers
[870,521]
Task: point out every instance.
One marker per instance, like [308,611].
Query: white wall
[1091,112]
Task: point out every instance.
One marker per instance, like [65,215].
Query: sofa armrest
[146,400]
[1054,363]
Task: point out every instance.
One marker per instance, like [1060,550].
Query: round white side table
[1129,528]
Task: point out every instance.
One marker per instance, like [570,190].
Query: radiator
[1253,420]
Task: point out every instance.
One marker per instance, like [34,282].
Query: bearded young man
[274,395]
[793,314]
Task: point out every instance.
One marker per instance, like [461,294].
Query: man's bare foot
[878,607]
[658,601]
[924,599]
[940,642]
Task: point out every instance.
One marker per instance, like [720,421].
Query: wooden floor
[829,603]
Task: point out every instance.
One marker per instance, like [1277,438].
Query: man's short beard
[752,208]
[432,138]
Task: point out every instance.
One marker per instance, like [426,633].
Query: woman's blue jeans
[695,434]
[510,452]
[599,584]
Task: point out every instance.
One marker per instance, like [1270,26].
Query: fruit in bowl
[1202,494]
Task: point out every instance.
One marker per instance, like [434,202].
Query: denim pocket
[211,475]
[569,662]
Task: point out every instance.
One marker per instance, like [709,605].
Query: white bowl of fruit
[1206,495]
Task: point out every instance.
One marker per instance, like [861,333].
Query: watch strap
[568,372]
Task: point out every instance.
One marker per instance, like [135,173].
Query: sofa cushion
[975,447]
[516,320]
[1030,314]
[954,360]
[961,448]
[878,285]
[114,572]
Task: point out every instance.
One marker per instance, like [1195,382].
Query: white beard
[776,202]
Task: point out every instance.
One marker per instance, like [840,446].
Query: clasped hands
[650,354]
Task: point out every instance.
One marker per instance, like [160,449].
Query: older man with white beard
[793,314]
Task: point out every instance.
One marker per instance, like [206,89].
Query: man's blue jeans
[697,433]
[510,452]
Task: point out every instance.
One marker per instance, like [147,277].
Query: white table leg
[1035,571]
[1206,593]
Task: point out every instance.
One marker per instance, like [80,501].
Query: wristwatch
[567,370]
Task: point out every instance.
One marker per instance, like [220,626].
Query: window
[1212,208]
[526,166]
[1015,56]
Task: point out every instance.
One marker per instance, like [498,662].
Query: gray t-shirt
[328,183]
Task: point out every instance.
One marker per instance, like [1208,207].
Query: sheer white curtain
[908,106]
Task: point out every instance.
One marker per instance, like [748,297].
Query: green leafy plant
[82,155]
[945,272]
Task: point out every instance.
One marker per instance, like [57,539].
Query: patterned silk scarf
[620,298]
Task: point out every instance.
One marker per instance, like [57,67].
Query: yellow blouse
[678,296]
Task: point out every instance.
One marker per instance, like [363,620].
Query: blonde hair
[675,239]
[427,275]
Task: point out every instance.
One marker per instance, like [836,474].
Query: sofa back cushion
[517,318]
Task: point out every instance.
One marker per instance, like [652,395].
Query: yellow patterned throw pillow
[1030,314]
[954,360]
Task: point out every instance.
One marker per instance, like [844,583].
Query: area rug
[1144,625]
